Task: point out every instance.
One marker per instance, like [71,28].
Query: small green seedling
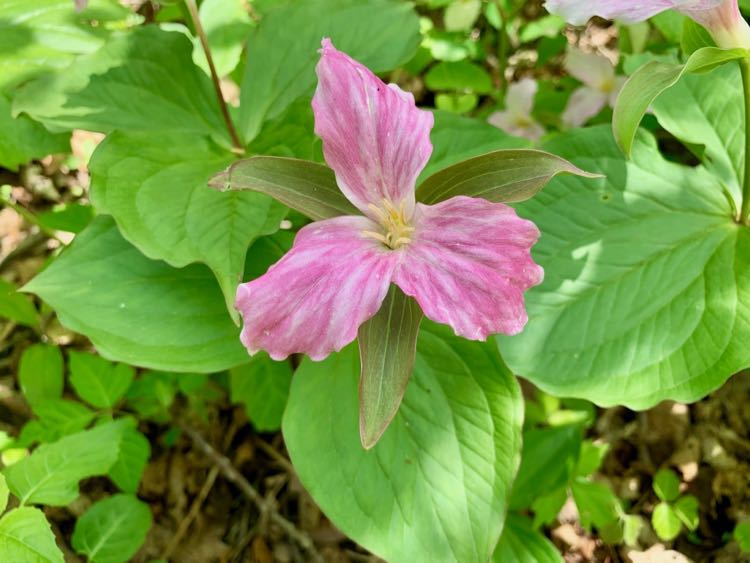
[674,511]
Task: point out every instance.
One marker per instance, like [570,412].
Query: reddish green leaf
[387,345]
[307,187]
[498,176]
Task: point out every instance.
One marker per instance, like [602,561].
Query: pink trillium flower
[721,18]
[466,261]
[516,118]
[600,86]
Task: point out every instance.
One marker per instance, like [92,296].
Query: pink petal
[591,69]
[724,21]
[578,12]
[583,104]
[374,137]
[314,299]
[469,264]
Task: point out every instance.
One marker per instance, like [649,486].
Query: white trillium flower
[516,118]
[600,86]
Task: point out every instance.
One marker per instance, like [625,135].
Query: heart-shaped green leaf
[499,176]
[646,295]
[139,311]
[387,346]
[436,485]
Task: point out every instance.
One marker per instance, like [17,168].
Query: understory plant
[370,276]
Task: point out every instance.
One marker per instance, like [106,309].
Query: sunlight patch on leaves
[445,463]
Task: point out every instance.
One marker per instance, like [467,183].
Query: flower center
[395,223]
[523,121]
[607,86]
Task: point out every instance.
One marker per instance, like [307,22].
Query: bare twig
[192,513]
[233,475]
[193,9]
[277,457]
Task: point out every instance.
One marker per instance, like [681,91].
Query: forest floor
[219,491]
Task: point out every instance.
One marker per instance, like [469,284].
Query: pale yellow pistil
[607,86]
[395,223]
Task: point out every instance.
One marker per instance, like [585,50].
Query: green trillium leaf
[435,486]
[499,176]
[139,311]
[305,186]
[155,185]
[710,126]
[653,78]
[387,346]
[646,294]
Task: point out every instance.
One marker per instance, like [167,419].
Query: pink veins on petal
[466,261]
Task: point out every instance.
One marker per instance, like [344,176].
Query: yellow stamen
[378,212]
[376,236]
[394,222]
[607,85]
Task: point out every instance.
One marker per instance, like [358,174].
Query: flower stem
[193,9]
[502,48]
[745,211]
